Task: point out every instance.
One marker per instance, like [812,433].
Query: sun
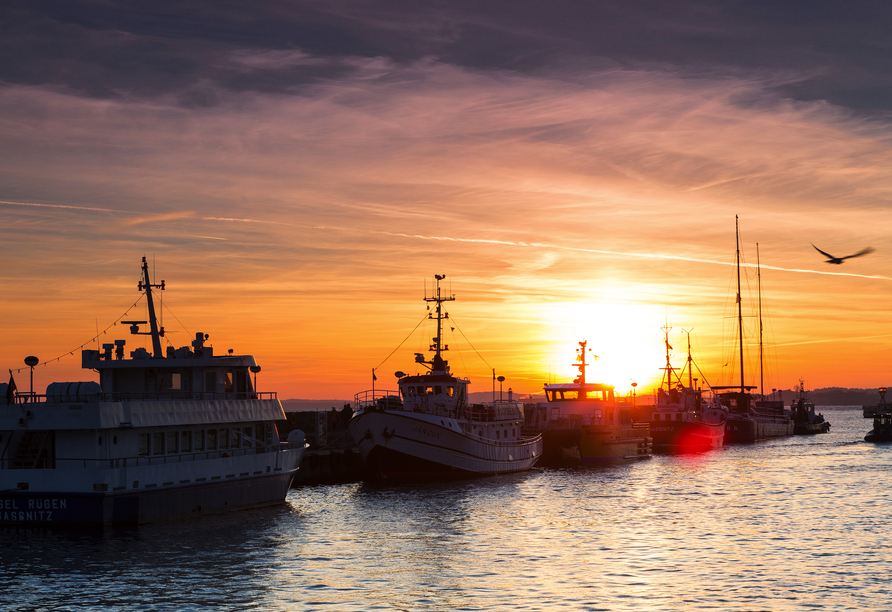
[624,342]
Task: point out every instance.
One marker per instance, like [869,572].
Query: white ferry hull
[396,444]
[145,494]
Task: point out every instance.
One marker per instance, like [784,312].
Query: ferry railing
[150,460]
[373,399]
[35,398]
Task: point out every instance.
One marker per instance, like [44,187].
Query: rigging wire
[471,345]
[96,337]
[403,342]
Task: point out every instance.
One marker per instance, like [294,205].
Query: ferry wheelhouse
[162,435]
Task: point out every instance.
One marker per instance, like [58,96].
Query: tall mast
[438,364]
[669,369]
[153,321]
[690,361]
[761,374]
[739,305]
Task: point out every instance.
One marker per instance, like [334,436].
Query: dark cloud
[821,49]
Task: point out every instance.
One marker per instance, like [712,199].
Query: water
[800,523]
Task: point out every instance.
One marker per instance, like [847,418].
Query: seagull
[838,260]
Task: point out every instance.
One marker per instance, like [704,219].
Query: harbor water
[799,523]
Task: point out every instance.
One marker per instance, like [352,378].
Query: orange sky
[301,229]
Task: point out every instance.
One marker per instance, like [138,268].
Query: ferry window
[199,440]
[174,381]
[550,395]
[224,438]
[429,390]
[513,432]
[227,382]
[555,414]
[438,390]
[450,391]
[212,439]
[411,390]
[186,442]
[241,381]
[143,444]
[497,434]
[570,395]
[210,382]
[595,395]
[172,439]
[246,440]
[158,443]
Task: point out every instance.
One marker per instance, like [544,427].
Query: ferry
[582,422]
[428,428]
[163,435]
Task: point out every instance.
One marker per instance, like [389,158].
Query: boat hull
[744,429]
[161,501]
[606,444]
[807,429]
[397,444]
[686,436]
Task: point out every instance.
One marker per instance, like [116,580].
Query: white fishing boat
[429,428]
[162,435]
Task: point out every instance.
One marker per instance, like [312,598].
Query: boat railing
[520,442]
[150,460]
[375,398]
[35,398]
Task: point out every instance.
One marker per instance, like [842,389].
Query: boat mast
[153,321]
[739,305]
[667,377]
[761,372]
[438,364]
[582,364]
[690,360]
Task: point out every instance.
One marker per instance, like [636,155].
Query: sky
[298,172]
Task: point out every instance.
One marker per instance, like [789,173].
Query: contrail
[536,245]
[834,340]
[61,206]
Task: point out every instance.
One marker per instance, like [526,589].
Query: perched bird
[838,260]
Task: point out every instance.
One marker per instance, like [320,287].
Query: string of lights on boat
[94,338]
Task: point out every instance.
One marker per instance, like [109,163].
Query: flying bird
[838,260]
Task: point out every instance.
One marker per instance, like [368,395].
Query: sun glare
[625,342]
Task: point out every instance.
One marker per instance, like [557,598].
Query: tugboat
[683,420]
[428,427]
[805,421]
[882,428]
[161,436]
[583,422]
[752,417]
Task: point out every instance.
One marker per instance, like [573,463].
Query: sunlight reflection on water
[788,524]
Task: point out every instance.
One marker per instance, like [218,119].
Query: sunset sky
[297,171]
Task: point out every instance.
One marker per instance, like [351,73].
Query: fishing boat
[752,417]
[584,422]
[882,428]
[805,420]
[161,436]
[683,420]
[883,406]
[428,428]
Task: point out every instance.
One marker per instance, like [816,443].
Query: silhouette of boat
[584,422]
[805,420]
[683,420]
[428,428]
[160,436]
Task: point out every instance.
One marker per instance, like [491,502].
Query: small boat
[161,436]
[428,428]
[882,428]
[683,420]
[584,422]
[805,420]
